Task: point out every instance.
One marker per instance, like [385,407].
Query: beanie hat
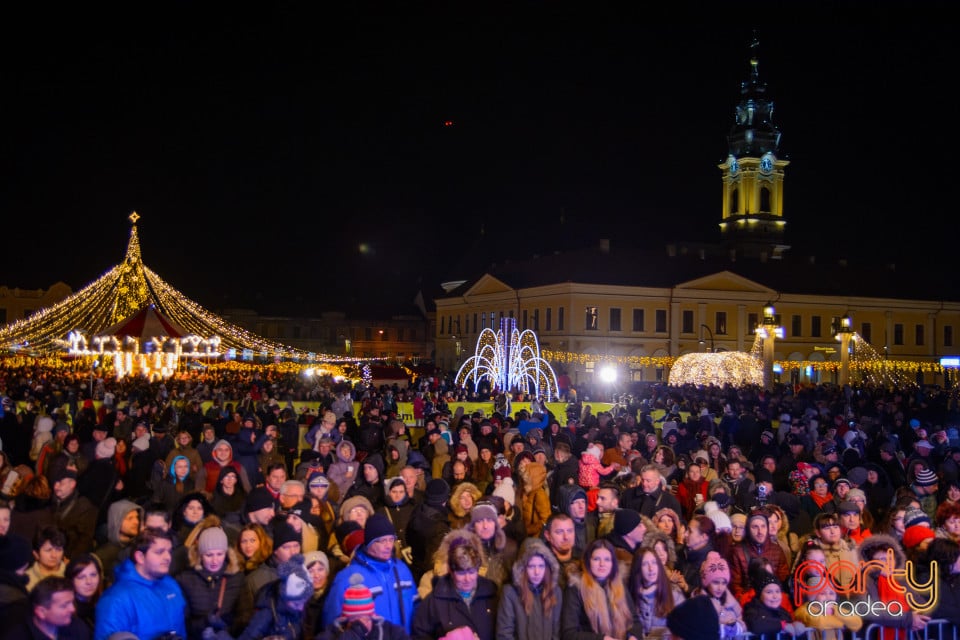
[925,478]
[694,619]
[61,427]
[483,511]
[856,494]
[317,479]
[625,521]
[840,481]
[507,491]
[714,567]
[763,475]
[106,448]
[212,539]
[63,473]
[914,423]
[284,533]
[913,536]
[767,433]
[259,498]
[295,582]
[721,521]
[757,513]
[357,599]
[378,526]
[501,468]
[313,557]
[762,579]
[15,552]
[350,536]
[914,517]
[437,492]
[142,443]
[352,502]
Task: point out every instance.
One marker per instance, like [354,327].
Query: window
[734,202]
[815,327]
[483,320]
[918,329]
[536,320]
[523,321]
[720,323]
[796,325]
[400,331]
[560,319]
[866,331]
[615,320]
[687,319]
[368,334]
[752,320]
[765,200]
[638,319]
[661,321]
[898,334]
[3,316]
[511,313]
[549,319]
[474,323]
[592,319]
[948,336]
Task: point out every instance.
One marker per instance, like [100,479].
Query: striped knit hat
[357,599]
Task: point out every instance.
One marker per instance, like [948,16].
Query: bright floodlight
[308,372]
[608,374]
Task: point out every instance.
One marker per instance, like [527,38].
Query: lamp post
[769,331]
[844,335]
[710,331]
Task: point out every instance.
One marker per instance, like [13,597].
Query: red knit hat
[916,534]
[357,599]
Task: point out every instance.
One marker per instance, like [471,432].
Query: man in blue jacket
[144,600]
[389,579]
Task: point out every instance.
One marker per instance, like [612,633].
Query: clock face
[734,166]
[766,163]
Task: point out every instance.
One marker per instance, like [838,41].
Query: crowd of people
[127,511]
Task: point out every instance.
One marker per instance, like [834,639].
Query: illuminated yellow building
[641,309]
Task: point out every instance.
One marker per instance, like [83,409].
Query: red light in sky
[448,123]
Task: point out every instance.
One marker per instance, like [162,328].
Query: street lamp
[844,335]
[769,331]
[710,331]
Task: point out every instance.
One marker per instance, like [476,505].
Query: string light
[121,292]
[734,368]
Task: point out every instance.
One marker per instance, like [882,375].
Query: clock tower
[752,221]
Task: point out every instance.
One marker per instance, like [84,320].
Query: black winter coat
[762,621]
[201,589]
[444,610]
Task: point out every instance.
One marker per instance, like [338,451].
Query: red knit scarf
[820,501]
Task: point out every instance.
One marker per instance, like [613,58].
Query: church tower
[752,222]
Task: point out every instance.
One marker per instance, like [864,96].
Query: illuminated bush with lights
[735,368]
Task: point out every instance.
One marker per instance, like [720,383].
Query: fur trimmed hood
[878,542]
[459,490]
[655,535]
[441,555]
[535,547]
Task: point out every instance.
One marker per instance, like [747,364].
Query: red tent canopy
[144,324]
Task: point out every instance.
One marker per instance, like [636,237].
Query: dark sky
[298,156]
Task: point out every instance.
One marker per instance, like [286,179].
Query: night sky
[302,159]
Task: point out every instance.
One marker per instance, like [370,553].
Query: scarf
[820,501]
[888,592]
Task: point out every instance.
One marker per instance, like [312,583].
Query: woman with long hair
[779,531]
[651,590]
[596,602]
[86,573]
[530,607]
[254,546]
[666,550]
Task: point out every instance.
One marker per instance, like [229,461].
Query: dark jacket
[762,621]
[272,617]
[77,518]
[428,524]
[381,630]
[444,610]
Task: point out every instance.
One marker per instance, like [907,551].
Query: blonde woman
[779,531]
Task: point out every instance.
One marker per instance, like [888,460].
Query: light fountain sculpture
[511,360]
